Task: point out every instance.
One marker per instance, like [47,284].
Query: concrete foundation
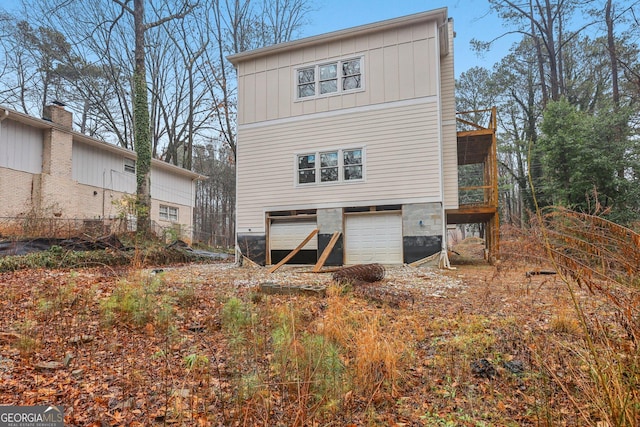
[330,221]
[422,230]
[421,234]
[254,247]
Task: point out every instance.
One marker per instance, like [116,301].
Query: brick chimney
[58,115]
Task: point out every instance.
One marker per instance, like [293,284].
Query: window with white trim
[129,165]
[168,213]
[330,78]
[342,165]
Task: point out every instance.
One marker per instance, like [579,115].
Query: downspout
[444,256]
[4,115]
[238,252]
[192,198]
[104,171]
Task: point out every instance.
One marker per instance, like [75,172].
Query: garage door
[373,238]
[287,235]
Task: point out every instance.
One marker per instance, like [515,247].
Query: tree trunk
[142,135]
[550,44]
[615,89]
[612,54]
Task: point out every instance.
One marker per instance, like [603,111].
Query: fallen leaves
[123,374]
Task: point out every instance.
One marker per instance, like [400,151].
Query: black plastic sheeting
[23,247]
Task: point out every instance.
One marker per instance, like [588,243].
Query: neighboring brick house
[48,169]
[352,133]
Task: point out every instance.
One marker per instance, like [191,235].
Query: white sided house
[351,133]
[46,168]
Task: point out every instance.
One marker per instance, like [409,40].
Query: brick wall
[15,192]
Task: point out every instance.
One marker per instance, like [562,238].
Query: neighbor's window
[168,213]
[330,166]
[129,165]
[334,77]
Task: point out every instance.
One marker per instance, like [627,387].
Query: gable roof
[94,142]
[439,15]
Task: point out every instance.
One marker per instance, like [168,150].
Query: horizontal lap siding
[401,160]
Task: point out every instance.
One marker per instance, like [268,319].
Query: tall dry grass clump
[599,256]
[375,346]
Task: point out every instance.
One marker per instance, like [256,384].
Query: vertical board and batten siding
[171,188]
[20,147]
[449,134]
[104,169]
[398,64]
[99,168]
[401,160]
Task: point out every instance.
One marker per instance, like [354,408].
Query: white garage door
[287,235]
[373,238]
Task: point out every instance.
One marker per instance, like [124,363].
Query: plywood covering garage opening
[373,237]
[285,234]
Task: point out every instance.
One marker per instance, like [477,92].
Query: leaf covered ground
[202,345]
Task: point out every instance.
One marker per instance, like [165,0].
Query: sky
[471,19]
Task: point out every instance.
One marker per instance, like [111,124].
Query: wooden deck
[477,146]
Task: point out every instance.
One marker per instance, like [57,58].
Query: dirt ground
[478,345]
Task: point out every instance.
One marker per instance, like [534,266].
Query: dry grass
[497,349]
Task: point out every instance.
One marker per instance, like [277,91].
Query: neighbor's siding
[449,136]
[100,168]
[170,188]
[401,160]
[20,147]
[399,64]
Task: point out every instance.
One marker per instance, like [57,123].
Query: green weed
[138,304]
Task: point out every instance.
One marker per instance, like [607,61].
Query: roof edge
[45,124]
[440,14]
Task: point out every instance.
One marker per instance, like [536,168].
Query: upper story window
[330,166]
[330,78]
[129,165]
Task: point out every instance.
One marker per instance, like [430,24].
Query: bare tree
[545,22]
[241,25]
[153,76]
[141,124]
[185,109]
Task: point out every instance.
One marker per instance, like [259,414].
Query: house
[353,134]
[47,169]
